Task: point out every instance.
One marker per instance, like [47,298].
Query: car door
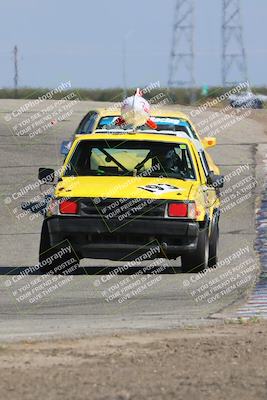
[209,191]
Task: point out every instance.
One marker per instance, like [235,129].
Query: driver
[166,157]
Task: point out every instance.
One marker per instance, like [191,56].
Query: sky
[82,41]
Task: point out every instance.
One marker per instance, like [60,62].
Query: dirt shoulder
[217,362]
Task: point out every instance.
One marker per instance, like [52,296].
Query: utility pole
[181,69]
[124,60]
[234,61]
[16,75]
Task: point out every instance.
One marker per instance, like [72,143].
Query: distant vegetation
[176,96]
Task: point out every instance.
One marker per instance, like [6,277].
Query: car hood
[124,187]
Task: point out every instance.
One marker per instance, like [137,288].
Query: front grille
[121,209]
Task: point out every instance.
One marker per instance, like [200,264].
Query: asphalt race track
[79,306]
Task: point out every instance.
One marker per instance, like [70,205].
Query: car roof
[109,111]
[159,137]
[179,134]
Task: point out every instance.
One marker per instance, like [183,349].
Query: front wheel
[197,261]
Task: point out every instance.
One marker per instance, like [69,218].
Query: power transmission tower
[181,72]
[16,74]
[234,61]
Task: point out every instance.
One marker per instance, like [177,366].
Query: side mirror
[65,147]
[209,141]
[217,181]
[46,175]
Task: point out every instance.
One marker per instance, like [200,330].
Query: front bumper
[93,237]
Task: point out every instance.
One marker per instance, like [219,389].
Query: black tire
[197,261]
[213,245]
[47,252]
[44,247]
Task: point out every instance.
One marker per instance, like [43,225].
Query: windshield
[122,158]
[87,123]
[163,124]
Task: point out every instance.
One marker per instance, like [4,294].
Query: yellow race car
[105,118]
[119,192]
